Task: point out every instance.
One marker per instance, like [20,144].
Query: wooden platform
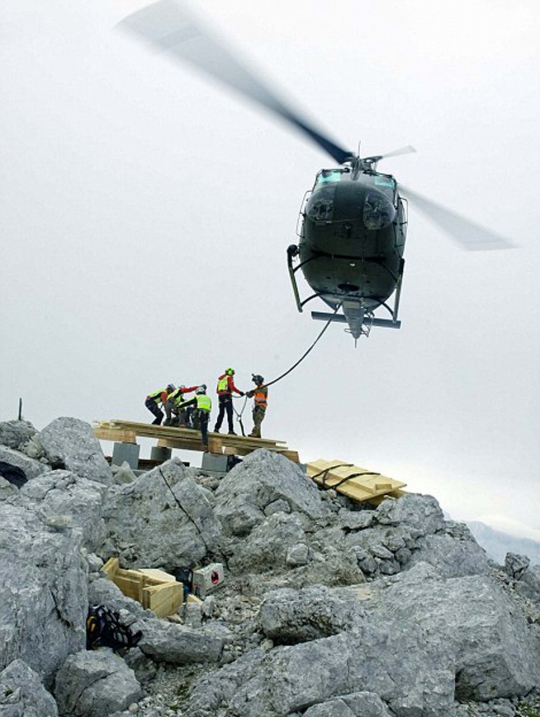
[187,439]
[355,482]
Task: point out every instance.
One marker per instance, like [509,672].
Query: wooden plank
[215,444]
[291,455]
[165,599]
[110,568]
[359,487]
[147,430]
[115,435]
[156,576]
[130,587]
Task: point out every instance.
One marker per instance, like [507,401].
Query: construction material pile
[325,606]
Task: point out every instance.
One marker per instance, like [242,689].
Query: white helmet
[201,389]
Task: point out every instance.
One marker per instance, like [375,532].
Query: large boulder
[410,673]
[43,592]
[417,511]
[251,490]
[64,493]
[95,684]
[179,644]
[22,693]
[70,443]
[494,649]
[162,519]
[15,434]
[289,616]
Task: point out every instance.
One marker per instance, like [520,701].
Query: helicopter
[353,223]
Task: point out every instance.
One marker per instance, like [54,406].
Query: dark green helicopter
[353,223]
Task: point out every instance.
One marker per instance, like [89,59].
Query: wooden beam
[116,435]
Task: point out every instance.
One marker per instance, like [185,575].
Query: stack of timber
[353,481]
[187,439]
[156,590]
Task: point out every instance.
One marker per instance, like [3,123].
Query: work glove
[242,393]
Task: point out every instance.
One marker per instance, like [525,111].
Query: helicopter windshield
[327,176]
[384,184]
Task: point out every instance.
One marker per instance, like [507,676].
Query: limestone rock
[418,511]
[290,616]
[70,443]
[22,693]
[64,493]
[452,558]
[29,466]
[43,593]
[177,644]
[358,704]
[15,434]
[495,651]
[268,544]
[529,584]
[516,565]
[163,517]
[262,479]
[95,684]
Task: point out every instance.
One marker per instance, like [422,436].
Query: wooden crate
[155,589]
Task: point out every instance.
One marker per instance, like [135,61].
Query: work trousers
[201,419]
[154,409]
[259,413]
[225,404]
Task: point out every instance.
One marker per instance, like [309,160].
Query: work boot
[167,422]
[232,433]
[216,430]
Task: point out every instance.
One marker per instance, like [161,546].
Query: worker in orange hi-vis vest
[260,403]
[225,390]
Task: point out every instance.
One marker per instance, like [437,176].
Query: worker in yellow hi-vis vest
[225,388]
[202,406]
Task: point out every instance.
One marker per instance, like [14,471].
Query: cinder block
[211,462]
[126,452]
[160,454]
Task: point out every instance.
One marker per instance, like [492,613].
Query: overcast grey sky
[146,212]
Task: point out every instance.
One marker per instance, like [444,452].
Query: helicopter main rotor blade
[168,27]
[465,232]
[403,150]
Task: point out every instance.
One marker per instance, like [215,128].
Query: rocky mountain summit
[329,608]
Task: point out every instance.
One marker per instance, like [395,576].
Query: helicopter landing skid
[340,319]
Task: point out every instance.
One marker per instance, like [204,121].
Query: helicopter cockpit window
[328,175]
[386,185]
[378,211]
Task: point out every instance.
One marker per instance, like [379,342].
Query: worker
[225,388]
[260,403]
[155,400]
[174,399]
[202,405]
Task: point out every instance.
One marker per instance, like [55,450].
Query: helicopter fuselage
[352,237]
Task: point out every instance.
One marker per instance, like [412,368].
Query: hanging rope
[308,351]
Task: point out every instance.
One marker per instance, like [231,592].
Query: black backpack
[104,629]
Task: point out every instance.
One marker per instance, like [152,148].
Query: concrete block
[211,462]
[128,452]
[160,454]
